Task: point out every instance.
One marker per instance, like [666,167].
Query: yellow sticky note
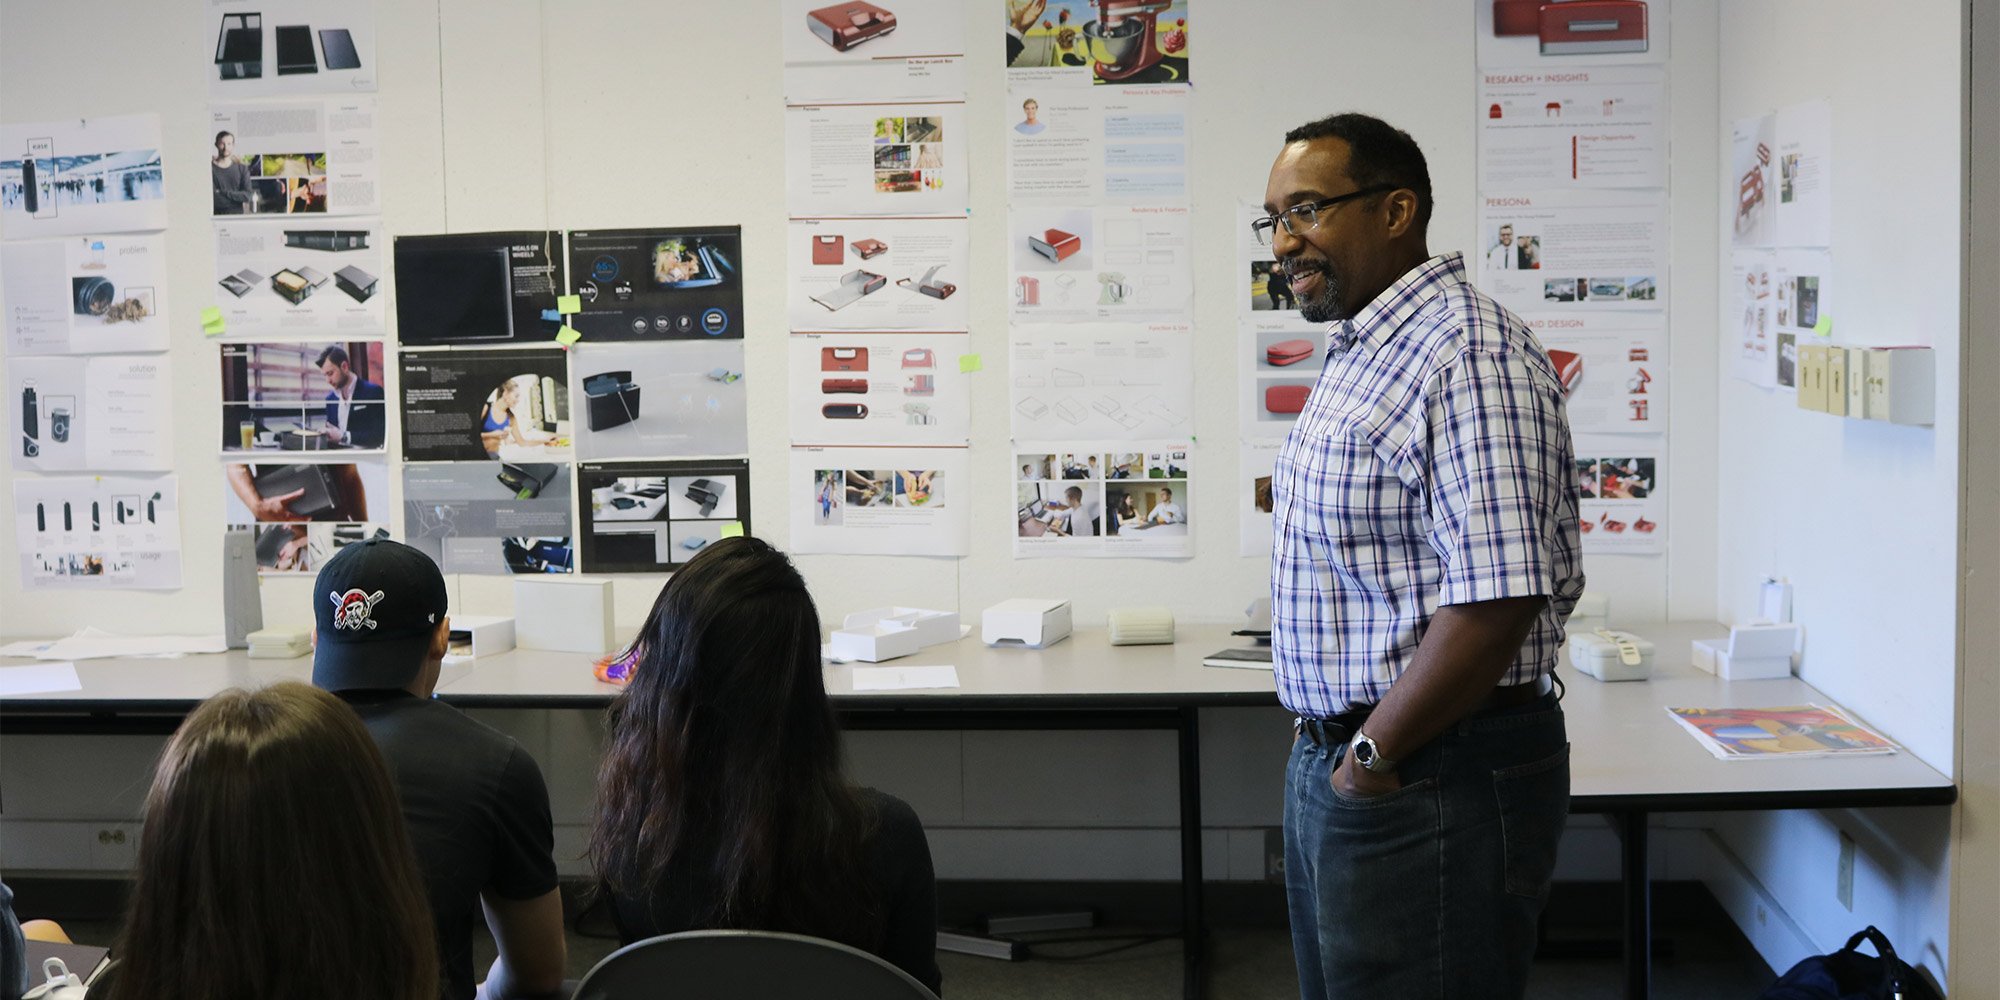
[569,304]
[567,336]
[1825,326]
[733,529]
[969,363]
[211,316]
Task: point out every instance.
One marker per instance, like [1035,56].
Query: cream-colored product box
[567,616]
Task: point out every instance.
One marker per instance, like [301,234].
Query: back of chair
[730,965]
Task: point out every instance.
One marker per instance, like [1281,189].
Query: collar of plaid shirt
[1383,513]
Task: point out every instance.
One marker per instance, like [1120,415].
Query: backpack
[1847,974]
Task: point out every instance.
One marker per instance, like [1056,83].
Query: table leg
[1192,923]
[1638,905]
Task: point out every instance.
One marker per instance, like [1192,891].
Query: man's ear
[1402,212]
[441,639]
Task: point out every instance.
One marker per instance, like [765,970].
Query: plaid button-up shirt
[1432,465]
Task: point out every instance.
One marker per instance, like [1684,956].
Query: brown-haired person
[721,802]
[273,863]
[475,802]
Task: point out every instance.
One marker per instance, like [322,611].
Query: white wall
[518,114]
[1861,516]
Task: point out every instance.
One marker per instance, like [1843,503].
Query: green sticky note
[1825,326]
[567,336]
[211,316]
[969,363]
[569,304]
[733,529]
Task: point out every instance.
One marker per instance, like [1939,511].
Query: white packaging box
[1751,653]
[886,633]
[567,616]
[1033,622]
[486,634]
[1599,656]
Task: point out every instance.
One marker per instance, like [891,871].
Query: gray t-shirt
[232,187]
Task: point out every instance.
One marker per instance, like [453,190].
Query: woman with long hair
[721,802]
[274,862]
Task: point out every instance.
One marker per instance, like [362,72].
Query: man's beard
[1325,306]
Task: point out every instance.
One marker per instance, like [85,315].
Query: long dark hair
[724,759]
[274,862]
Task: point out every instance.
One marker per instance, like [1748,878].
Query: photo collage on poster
[1122,501]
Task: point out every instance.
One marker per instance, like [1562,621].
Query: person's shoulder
[892,815]
[1470,320]
[425,720]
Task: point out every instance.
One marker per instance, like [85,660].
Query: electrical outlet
[1274,854]
[1845,888]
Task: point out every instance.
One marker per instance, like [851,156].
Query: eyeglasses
[1302,219]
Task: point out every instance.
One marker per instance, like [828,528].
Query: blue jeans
[1434,889]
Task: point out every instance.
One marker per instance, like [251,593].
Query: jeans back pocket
[1534,807]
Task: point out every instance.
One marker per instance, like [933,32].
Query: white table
[1629,757]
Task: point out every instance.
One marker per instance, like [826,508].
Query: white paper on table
[880,501]
[904,678]
[39,678]
[92,647]
[26,647]
[1101,381]
[1542,127]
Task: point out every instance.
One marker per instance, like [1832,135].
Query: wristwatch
[1368,756]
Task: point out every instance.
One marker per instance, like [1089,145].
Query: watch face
[1364,753]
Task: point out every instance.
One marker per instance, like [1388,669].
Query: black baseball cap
[377,603]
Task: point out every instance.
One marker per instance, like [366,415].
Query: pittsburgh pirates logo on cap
[354,609]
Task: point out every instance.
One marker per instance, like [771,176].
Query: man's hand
[276,508]
[333,434]
[1361,783]
[1024,16]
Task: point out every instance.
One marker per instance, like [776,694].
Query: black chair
[733,965]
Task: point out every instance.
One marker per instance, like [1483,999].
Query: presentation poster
[85,294]
[479,289]
[879,389]
[303,513]
[303,397]
[107,412]
[880,501]
[657,284]
[312,158]
[1613,368]
[1546,127]
[1102,145]
[283,278]
[850,51]
[1579,250]
[1068,42]
[1102,381]
[877,274]
[660,400]
[1622,507]
[651,517]
[1117,263]
[1515,34]
[278,48]
[79,176]
[1116,500]
[876,159]
[494,518]
[471,406]
[98,532]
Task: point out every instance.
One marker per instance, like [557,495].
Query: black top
[899,862]
[232,187]
[478,814]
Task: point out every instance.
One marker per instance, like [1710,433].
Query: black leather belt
[1340,729]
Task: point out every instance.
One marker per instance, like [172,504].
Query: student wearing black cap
[475,802]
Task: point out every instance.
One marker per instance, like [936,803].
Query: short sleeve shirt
[478,814]
[1432,465]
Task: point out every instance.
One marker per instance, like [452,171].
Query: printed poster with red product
[1614,369]
[1622,506]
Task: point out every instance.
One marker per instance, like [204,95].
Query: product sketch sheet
[98,532]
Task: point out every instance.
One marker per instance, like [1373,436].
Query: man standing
[1505,256]
[476,806]
[1426,558]
[356,426]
